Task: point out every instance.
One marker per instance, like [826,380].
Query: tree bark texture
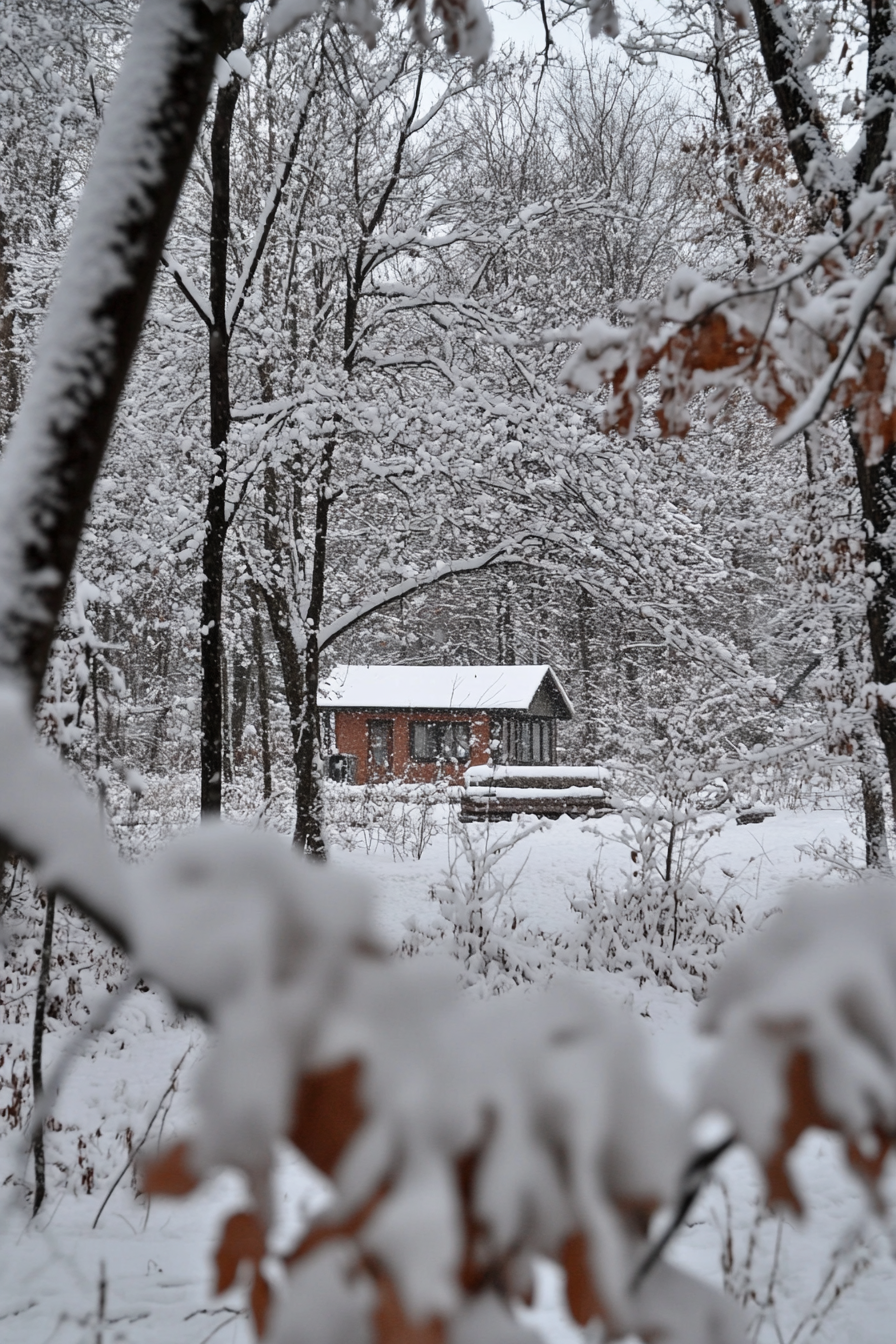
[37,1053]
[299,660]
[9,372]
[264,707]
[877,488]
[211,634]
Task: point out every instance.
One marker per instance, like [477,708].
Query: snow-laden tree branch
[506,552]
[56,448]
[271,205]
[187,287]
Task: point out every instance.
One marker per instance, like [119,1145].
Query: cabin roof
[385,686]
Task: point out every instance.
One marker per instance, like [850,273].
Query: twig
[134,1151]
[691,1185]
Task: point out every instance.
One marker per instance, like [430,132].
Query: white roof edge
[558,685]
[402,686]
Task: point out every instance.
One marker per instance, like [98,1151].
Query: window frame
[440,728]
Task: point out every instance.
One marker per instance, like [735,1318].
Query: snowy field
[101,1263]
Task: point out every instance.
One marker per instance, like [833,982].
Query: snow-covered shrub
[657,919]
[401,819]
[476,920]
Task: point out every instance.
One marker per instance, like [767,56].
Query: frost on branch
[47,818]
[465,25]
[810,342]
[806,1016]
[261,945]
[462,1136]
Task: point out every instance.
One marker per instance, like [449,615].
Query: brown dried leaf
[804,1111]
[327,1114]
[169,1174]
[637,1210]
[260,1302]
[583,1299]
[867,397]
[244,1238]
[392,1326]
[869,1166]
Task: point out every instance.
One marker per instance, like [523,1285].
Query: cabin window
[440,741]
[527,741]
[542,741]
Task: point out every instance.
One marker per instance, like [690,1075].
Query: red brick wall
[352,740]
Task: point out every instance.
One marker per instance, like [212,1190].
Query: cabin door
[379,750]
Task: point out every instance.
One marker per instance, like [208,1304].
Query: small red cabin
[427,723]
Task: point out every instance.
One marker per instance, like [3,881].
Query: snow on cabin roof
[382,686]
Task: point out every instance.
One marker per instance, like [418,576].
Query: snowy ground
[99,1263]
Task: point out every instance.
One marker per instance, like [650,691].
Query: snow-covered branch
[271,205]
[56,448]
[187,287]
[506,552]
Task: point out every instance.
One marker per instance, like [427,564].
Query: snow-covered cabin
[428,723]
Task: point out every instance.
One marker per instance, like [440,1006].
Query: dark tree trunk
[211,646]
[226,735]
[877,487]
[239,696]
[9,372]
[877,850]
[37,1052]
[264,707]
[299,657]
[309,835]
[505,632]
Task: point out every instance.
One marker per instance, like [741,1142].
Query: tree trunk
[211,646]
[877,487]
[37,1052]
[877,850]
[9,373]
[309,829]
[239,698]
[226,735]
[299,655]
[264,707]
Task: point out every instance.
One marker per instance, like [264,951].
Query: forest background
[368,420]
[378,461]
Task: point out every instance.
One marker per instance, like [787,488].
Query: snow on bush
[397,817]
[477,922]
[463,1136]
[805,1013]
[657,920]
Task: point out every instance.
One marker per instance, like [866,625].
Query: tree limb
[56,448]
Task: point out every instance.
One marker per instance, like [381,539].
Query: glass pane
[379,744]
[456,741]
[418,741]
